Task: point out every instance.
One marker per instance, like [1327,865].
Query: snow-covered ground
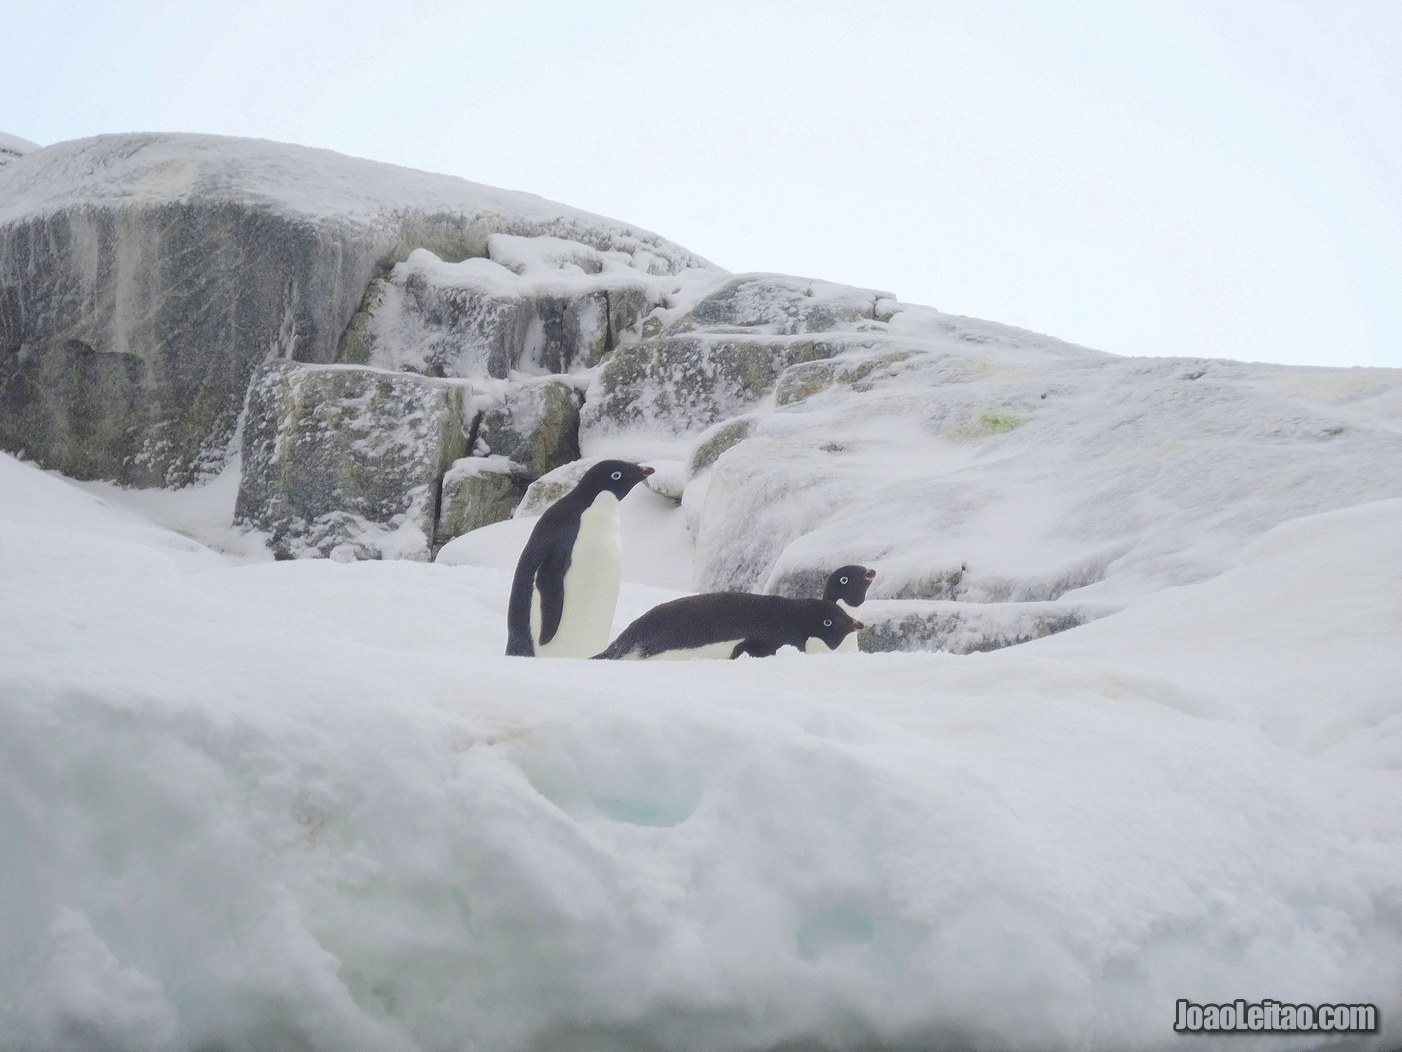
[249,805]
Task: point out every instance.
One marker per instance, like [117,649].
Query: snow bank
[310,805]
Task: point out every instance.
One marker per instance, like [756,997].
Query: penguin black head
[611,476]
[849,583]
[830,624]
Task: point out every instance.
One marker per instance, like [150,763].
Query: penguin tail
[615,650]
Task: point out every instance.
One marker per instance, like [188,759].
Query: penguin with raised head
[847,587]
[566,585]
[728,624]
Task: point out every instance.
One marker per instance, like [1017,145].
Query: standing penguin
[847,587]
[566,585]
[728,624]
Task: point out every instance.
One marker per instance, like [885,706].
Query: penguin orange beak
[646,471]
[859,625]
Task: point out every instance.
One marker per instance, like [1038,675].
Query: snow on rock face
[997,472]
[686,383]
[348,460]
[726,352]
[781,305]
[147,277]
[480,317]
[535,423]
[12,148]
[477,492]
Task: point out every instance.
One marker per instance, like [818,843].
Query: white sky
[1217,178]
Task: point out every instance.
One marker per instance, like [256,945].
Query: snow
[255,804]
[1035,470]
[321,185]
[12,146]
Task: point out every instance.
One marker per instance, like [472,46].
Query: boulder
[535,424]
[689,382]
[338,455]
[12,148]
[856,371]
[477,491]
[965,628]
[481,317]
[717,440]
[152,274]
[547,489]
[779,304]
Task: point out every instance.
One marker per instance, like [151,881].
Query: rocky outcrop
[536,307]
[727,352]
[348,460]
[534,423]
[12,148]
[689,382]
[477,491]
[150,275]
[780,305]
[966,628]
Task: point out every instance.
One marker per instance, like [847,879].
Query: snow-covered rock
[534,423]
[781,305]
[964,628]
[151,274]
[479,317]
[477,491]
[688,382]
[343,458]
[982,466]
[12,147]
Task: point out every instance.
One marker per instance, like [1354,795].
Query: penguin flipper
[550,583]
[753,647]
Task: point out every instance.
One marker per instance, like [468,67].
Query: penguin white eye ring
[827,623]
[842,580]
[617,475]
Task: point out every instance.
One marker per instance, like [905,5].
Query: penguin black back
[728,624]
[539,586]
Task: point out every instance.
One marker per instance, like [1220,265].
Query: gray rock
[154,273]
[547,489]
[779,304]
[535,424]
[479,317]
[716,441]
[346,455]
[806,379]
[477,491]
[686,383]
[964,628]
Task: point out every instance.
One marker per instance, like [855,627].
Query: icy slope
[309,805]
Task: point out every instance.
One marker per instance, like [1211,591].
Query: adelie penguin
[728,624]
[847,587]
[566,585]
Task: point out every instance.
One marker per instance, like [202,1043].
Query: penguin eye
[617,475]
[827,623]
[842,580]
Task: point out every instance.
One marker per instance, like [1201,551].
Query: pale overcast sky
[1189,177]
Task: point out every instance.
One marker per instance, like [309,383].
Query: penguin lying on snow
[728,624]
[566,585]
[847,587]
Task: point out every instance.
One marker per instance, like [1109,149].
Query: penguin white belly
[591,586]
[848,644]
[712,651]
